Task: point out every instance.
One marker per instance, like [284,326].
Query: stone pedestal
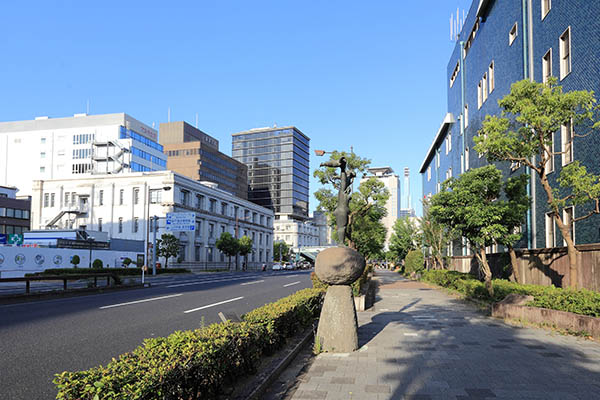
[338,326]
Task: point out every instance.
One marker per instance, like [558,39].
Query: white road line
[212,305]
[411,334]
[204,282]
[141,301]
[290,284]
[251,283]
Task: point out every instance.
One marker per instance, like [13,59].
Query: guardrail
[64,278]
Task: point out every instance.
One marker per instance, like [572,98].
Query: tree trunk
[514,264]
[566,233]
[229,264]
[487,272]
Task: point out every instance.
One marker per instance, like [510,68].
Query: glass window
[121,196]
[565,53]
[121,225]
[10,212]
[136,196]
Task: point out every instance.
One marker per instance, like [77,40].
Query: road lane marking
[411,334]
[251,283]
[212,305]
[204,282]
[290,284]
[141,301]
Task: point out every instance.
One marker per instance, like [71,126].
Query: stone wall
[541,266]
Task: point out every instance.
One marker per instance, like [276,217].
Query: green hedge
[194,364]
[119,271]
[584,302]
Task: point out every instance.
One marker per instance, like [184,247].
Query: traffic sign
[181,222]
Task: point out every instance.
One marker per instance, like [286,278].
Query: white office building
[313,232]
[392,183]
[58,148]
[121,205]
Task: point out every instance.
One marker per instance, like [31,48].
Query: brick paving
[420,343]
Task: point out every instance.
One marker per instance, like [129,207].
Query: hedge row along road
[41,338]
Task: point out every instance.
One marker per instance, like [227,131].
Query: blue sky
[371,75]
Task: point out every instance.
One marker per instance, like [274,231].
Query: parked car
[277,267]
[289,266]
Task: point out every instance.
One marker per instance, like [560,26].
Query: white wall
[15,262]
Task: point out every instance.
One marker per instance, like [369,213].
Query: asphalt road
[41,338]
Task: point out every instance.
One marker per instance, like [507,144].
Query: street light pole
[154,249]
[154,218]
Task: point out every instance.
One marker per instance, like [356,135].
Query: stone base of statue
[338,326]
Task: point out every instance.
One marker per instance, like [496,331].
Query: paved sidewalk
[420,343]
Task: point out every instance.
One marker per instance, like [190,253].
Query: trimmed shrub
[75,260]
[97,264]
[584,302]
[316,282]
[414,262]
[194,364]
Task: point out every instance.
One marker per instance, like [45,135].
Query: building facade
[195,154]
[14,213]
[502,42]
[296,234]
[278,168]
[391,181]
[57,148]
[121,205]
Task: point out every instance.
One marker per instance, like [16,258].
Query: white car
[289,266]
[277,267]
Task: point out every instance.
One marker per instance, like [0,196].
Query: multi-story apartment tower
[392,206]
[195,154]
[502,42]
[278,168]
[57,148]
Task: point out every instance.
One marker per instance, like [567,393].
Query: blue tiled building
[502,42]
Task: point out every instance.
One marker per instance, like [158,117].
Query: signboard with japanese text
[181,222]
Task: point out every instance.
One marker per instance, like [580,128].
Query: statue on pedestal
[339,267]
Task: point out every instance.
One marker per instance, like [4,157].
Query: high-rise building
[392,206]
[278,168]
[502,42]
[196,155]
[60,148]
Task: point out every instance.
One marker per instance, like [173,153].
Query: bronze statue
[345,191]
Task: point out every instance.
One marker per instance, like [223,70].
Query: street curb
[9,299]
[283,364]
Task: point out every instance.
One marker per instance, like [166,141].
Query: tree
[97,263]
[75,260]
[514,216]
[405,237]
[280,248]
[245,247]
[367,205]
[228,245]
[470,204]
[167,246]
[436,237]
[532,113]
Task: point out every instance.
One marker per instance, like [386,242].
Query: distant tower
[407,186]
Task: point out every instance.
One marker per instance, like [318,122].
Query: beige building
[392,183]
[196,155]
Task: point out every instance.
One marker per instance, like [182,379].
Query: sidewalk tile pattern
[423,344]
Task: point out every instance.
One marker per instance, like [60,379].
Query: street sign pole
[154,249]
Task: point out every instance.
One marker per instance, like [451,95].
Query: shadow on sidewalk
[430,351]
